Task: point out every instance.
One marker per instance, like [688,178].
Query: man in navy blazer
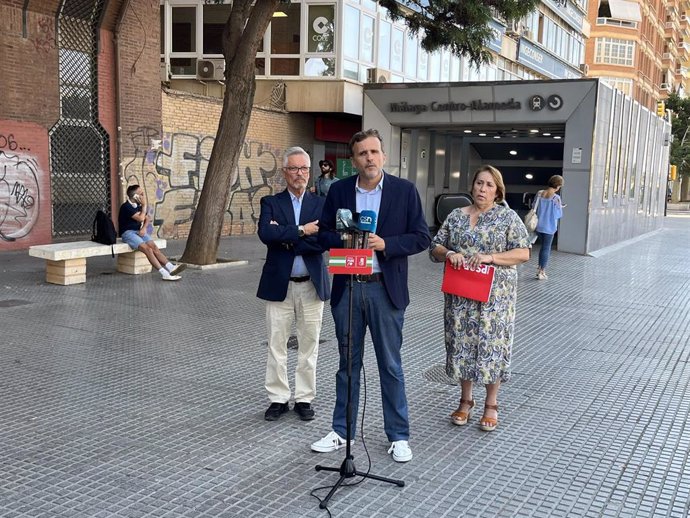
[380,299]
[294,284]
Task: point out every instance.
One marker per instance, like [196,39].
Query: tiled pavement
[132,397]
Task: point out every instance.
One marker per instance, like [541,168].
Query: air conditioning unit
[665,86]
[513,28]
[378,75]
[164,72]
[584,68]
[210,69]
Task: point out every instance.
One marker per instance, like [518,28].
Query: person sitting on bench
[133,221]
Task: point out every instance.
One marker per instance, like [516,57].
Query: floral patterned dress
[479,336]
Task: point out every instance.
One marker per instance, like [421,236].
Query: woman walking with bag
[549,211]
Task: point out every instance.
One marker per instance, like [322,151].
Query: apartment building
[640,48]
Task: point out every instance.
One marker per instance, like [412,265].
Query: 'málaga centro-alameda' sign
[534,103]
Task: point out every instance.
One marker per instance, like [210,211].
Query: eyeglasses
[295,170]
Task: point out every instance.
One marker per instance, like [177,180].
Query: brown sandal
[459,417]
[489,424]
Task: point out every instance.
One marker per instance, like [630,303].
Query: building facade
[130,92]
[640,48]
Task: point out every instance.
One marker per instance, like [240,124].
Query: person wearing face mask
[479,335]
[133,221]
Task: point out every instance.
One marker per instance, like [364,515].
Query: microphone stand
[347,468]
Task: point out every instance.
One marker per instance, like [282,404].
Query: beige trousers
[302,305]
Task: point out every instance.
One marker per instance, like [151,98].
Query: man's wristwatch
[300,231]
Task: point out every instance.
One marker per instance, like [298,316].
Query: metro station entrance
[611,151]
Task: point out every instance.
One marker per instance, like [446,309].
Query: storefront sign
[538,59]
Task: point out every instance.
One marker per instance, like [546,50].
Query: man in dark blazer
[380,299]
[294,284]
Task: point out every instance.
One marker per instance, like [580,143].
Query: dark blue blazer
[284,244]
[400,223]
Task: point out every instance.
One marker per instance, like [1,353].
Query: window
[285,42]
[184,29]
[621,83]
[614,51]
[384,60]
[411,56]
[183,41]
[351,40]
[321,26]
[366,49]
[215,17]
[397,57]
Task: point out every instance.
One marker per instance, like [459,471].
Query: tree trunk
[243,33]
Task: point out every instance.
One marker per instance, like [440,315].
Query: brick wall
[28,107]
[107,108]
[139,62]
[29,79]
[173,176]
[25,205]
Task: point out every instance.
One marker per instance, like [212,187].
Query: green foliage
[459,25]
[680,123]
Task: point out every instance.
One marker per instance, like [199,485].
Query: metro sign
[351,261]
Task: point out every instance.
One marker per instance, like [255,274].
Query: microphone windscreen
[343,219]
[367,221]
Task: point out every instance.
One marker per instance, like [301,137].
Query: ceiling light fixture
[547,134]
[512,152]
[534,131]
[467,131]
[557,137]
[497,136]
[482,134]
[529,176]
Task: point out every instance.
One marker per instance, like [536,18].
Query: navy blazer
[400,223]
[284,244]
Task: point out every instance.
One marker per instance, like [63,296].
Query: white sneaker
[330,443]
[542,275]
[401,451]
[171,277]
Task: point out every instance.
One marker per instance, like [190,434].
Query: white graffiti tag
[19,195]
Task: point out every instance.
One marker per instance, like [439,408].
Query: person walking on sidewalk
[379,299]
[133,221]
[294,283]
[549,211]
[479,336]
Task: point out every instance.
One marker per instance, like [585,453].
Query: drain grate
[10,303]
[437,374]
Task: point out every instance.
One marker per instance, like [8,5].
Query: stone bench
[66,262]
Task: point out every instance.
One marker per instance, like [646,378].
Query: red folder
[471,284]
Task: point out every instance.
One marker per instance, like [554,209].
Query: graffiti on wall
[19,195]
[171,169]
[44,38]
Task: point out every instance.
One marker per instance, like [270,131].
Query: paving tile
[130,397]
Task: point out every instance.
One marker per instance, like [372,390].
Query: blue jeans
[371,308]
[545,250]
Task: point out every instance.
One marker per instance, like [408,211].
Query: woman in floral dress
[479,336]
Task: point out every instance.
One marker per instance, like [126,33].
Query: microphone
[367,225]
[344,223]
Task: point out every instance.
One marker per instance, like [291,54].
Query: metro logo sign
[351,261]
